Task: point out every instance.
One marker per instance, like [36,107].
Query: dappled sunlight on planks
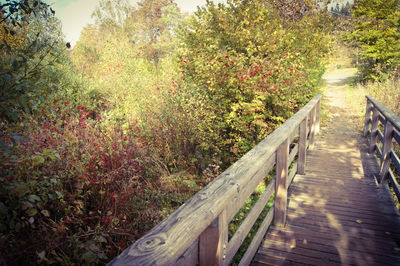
[337,213]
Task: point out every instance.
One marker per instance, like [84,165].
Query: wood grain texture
[255,243]
[302,146]
[213,242]
[190,256]
[386,151]
[387,113]
[312,128]
[374,130]
[367,120]
[337,214]
[241,234]
[280,184]
[165,243]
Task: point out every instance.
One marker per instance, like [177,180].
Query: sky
[76,14]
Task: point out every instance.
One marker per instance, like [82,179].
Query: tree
[255,62]
[155,22]
[31,41]
[377,35]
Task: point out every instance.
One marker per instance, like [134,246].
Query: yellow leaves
[13,37]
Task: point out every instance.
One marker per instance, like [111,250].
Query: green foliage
[30,45]
[254,68]
[129,124]
[377,34]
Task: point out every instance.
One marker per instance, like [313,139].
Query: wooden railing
[197,232]
[382,117]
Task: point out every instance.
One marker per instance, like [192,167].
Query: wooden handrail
[197,232]
[391,123]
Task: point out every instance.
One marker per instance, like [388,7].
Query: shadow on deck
[337,212]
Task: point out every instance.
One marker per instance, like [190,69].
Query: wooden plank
[296,257]
[379,152]
[388,114]
[382,119]
[312,130]
[241,234]
[293,153]
[336,220]
[329,249]
[213,241]
[395,185]
[329,236]
[237,202]
[302,147]
[190,257]
[166,242]
[380,135]
[387,148]
[255,243]
[396,136]
[367,120]
[280,184]
[317,116]
[291,175]
[395,160]
[374,128]
[330,205]
[345,228]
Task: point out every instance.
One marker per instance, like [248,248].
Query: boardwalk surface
[337,214]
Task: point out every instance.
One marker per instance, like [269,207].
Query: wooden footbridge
[333,202]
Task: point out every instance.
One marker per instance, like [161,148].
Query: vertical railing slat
[280,184]
[387,147]
[213,241]
[367,117]
[312,130]
[374,130]
[302,147]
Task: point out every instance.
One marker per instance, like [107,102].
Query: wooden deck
[337,213]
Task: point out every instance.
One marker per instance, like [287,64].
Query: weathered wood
[382,119]
[379,135]
[166,242]
[293,153]
[367,120]
[241,234]
[237,202]
[387,148]
[395,185]
[213,241]
[317,116]
[379,152]
[291,175]
[395,160]
[255,243]
[302,146]
[312,128]
[280,184]
[374,129]
[396,136]
[388,114]
[190,257]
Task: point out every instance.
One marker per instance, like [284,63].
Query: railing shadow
[337,214]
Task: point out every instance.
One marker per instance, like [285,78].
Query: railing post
[213,241]
[317,116]
[367,117]
[312,128]
[374,130]
[280,184]
[387,148]
[301,161]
